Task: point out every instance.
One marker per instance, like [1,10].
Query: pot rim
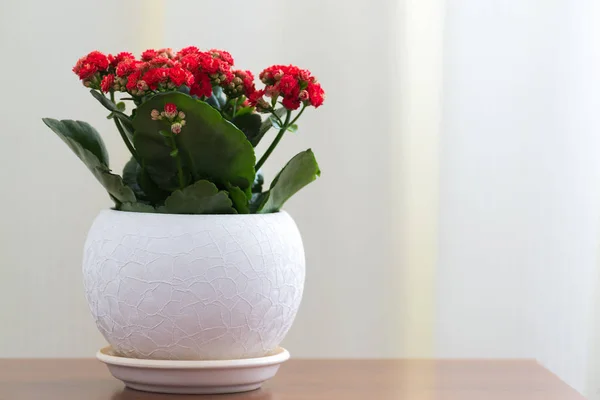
[165,215]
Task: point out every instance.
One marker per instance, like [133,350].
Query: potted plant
[196,261]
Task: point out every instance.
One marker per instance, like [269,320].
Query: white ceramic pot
[193,287]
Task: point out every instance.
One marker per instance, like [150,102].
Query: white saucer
[193,377]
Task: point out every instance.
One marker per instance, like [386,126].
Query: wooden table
[306,380]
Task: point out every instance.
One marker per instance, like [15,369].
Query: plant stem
[298,116]
[273,113]
[235,101]
[126,140]
[275,142]
[178,160]
[123,134]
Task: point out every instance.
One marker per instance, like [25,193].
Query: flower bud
[271,91]
[176,128]
[170,110]
[263,104]
[142,85]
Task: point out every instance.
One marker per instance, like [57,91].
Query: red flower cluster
[296,86]
[200,71]
[89,66]
[211,68]
[158,72]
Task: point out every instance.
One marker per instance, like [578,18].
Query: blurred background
[457,211]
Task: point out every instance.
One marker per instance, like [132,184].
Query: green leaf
[210,147]
[114,185]
[298,172]
[258,202]
[174,153]
[144,188]
[239,199]
[153,193]
[202,197]
[121,106]
[154,153]
[81,132]
[266,125]
[249,124]
[130,177]
[292,128]
[137,207]
[76,135]
[244,111]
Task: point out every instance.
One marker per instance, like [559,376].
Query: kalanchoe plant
[192,130]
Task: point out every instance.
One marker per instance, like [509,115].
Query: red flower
[115,60]
[86,71]
[202,86]
[191,62]
[257,100]
[256,96]
[133,79]
[222,55]
[180,76]
[149,54]
[316,94]
[156,76]
[208,64]
[107,83]
[274,73]
[291,103]
[170,110]
[305,75]
[288,86]
[160,62]
[186,51]
[90,64]
[127,66]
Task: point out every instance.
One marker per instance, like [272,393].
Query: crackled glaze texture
[193,287]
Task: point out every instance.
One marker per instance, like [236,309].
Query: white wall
[49,198]
[519,183]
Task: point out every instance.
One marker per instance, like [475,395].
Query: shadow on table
[130,394]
